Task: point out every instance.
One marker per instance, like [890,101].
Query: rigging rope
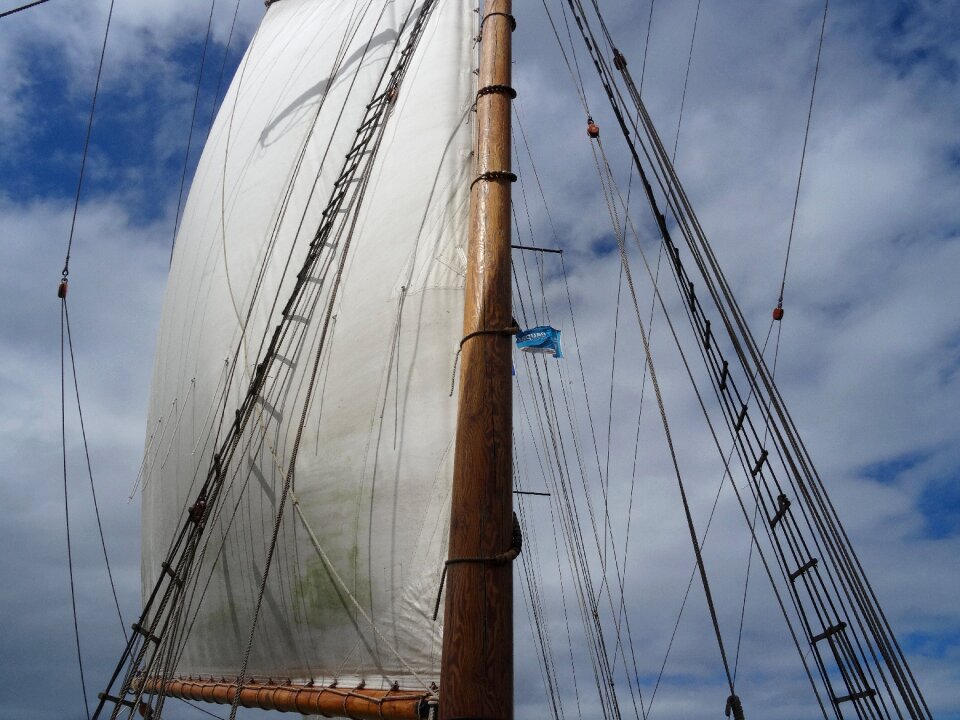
[66,500]
[86,452]
[21,8]
[86,144]
[803,153]
[841,588]
[666,429]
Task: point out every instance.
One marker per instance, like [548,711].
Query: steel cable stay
[66,346]
[741,457]
[585,613]
[561,490]
[621,579]
[89,465]
[556,544]
[843,573]
[86,143]
[21,8]
[606,182]
[66,502]
[592,606]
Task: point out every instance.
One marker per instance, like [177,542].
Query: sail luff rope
[291,469]
[339,58]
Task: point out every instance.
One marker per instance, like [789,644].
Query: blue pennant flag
[543,339]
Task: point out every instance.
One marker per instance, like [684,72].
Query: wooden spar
[476,670]
[304,699]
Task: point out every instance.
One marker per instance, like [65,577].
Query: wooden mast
[476,672]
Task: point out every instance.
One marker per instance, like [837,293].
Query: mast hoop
[494,175]
[500,89]
[510,18]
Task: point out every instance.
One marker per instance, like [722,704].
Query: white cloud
[868,356]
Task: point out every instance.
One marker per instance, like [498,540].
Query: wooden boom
[358,703]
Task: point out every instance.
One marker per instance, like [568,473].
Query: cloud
[868,357]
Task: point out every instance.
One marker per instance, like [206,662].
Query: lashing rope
[513,329]
[508,555]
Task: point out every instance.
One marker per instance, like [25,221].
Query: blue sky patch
[889,471]
[940,504]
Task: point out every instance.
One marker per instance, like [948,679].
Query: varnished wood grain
[476,677]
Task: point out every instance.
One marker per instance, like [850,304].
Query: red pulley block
[62,289]
[778,313]
[593,130]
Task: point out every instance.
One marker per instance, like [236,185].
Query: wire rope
[86,143]
[66,501]
[15,10]
[86,453]
[803,152]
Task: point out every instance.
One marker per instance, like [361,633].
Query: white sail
[374,466]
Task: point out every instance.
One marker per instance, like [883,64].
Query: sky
[868,358]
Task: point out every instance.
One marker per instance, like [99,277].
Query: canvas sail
[374,466]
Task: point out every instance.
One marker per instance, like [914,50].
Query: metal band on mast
[476,672]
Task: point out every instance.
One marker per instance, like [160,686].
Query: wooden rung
[783,504]
[165,566]
[723,376]
[759,465]
[740,417]
[138,628]
[812,563]
[115,700]
[855,696]
[706,336]
[832,630]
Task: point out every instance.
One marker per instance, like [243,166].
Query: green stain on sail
[321,602]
